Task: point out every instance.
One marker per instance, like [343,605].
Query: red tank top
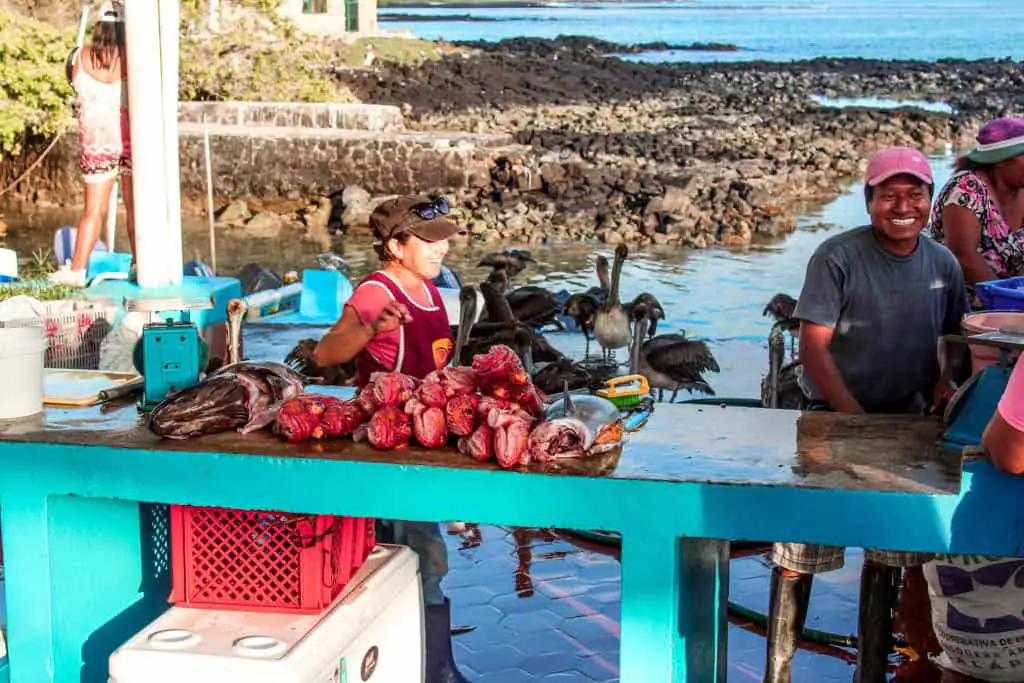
[424,345]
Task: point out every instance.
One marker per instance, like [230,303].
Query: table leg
[79,582]
[674,610]
[27,586]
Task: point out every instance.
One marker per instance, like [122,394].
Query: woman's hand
[391,317]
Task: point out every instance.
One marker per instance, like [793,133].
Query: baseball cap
[424,217]
[999,140]
[893,161]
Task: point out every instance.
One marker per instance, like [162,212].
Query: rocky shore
[698,154]
[586,146]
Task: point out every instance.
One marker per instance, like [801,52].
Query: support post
[27,584]
[674,610]
[170,21]
[152,75]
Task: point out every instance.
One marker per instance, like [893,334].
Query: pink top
[368,300]
[1011,405]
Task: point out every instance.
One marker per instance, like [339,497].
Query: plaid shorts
[815,558]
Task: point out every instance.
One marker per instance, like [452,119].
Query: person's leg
[129,206]
[791,582]
[96,197]
[879,592]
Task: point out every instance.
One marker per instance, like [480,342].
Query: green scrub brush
[626,392]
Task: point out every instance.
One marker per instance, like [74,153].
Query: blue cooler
[1002,295]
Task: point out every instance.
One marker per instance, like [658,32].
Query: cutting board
[79,388]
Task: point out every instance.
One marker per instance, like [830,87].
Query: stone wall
[295,115]
[272,165]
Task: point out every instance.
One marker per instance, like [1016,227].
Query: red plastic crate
[265,561]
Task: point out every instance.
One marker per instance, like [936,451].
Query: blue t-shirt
[888,312]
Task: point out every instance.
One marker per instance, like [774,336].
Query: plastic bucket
[990,321]
[21,365]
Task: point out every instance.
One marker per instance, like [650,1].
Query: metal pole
[145,97]
[209,196]
[169,19]
[81,25]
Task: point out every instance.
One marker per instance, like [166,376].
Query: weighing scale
[170,355]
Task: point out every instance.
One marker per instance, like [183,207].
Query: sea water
[773,30]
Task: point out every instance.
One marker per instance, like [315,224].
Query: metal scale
[170,355]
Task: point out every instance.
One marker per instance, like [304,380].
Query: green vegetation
[399,50]
[33,90]
[255,55]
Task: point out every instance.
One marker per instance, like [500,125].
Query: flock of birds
[493,312]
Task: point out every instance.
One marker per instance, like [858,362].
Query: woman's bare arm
[963,235]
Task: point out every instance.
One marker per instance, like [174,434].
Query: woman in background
[979,212]
[98,73]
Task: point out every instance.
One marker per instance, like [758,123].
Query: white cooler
[372,632]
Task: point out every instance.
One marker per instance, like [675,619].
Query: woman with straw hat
[979,213]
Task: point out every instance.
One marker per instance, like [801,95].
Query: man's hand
[944,390]
[391,318]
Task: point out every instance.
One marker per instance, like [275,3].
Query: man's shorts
[812,558]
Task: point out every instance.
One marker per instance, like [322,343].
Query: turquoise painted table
[81,573]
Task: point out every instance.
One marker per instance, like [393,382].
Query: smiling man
[875,301]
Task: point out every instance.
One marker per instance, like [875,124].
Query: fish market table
[82,573]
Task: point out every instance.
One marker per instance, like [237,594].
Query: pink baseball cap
[893,161]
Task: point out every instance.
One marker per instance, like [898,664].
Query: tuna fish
[244,396]
[575,427]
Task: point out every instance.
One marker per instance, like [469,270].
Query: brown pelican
[552,377]
[501,327]
[512,261]
[780,388]
[534,306]
[654,310]
[611,324]
[583,307]
[236,311]
[669,361]
[782,308]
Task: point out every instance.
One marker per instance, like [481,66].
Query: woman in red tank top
[396,321]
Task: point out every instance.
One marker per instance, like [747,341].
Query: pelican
[236,310]
[583,307]
[781,308]
[654,310]
[501,327]
[611,324]
[512,261]
[669,361]
[301,360]
[780,388]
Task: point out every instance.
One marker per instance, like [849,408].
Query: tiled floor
[545,605]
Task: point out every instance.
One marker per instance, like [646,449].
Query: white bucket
[22,351]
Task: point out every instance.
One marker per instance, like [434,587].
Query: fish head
[599,416]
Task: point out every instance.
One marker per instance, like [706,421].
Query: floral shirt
[1001,247]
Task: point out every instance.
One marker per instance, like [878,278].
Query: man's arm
[951,356]
[1004,437]
[819,309]
[818,361]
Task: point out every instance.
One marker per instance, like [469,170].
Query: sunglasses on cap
[428,211]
